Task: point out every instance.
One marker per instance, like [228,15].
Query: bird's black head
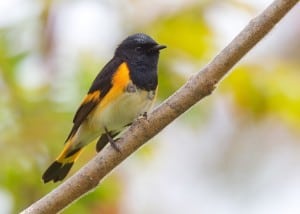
[137,47]
[141,53]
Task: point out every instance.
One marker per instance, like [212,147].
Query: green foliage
[263,91]
[185,32]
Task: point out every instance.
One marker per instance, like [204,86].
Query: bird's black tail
[57,171]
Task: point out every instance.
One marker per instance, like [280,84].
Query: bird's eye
[138,49]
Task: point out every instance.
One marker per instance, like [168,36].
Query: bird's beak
[157,47]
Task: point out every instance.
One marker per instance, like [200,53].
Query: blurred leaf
[263,91]
[185,31]
[168,81]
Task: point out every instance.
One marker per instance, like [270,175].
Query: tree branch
[195,89]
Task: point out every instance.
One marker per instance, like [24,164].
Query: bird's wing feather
[99,89]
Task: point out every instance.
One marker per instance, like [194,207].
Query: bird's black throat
[143,73]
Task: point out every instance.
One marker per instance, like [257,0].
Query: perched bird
[122,91]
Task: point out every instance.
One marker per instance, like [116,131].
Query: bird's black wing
[100,87]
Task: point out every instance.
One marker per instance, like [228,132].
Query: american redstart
[121,92]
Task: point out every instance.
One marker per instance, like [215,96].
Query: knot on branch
[202,85]
[208,87]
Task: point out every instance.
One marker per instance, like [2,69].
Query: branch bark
[195,89]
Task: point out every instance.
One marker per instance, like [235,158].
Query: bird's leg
[111,141]
[145,115]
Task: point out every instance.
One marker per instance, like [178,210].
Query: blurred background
[238,151]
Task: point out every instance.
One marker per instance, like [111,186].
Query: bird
[122,91]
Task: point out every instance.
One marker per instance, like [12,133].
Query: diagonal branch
[195,89]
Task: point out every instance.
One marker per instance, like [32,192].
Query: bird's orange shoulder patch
[121,77]
[119,82]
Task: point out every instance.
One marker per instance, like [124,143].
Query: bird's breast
[123,109]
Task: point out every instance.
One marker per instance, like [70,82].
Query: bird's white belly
[123,110]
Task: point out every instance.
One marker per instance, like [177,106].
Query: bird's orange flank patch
[91,97]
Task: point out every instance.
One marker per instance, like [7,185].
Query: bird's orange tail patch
[68,154]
